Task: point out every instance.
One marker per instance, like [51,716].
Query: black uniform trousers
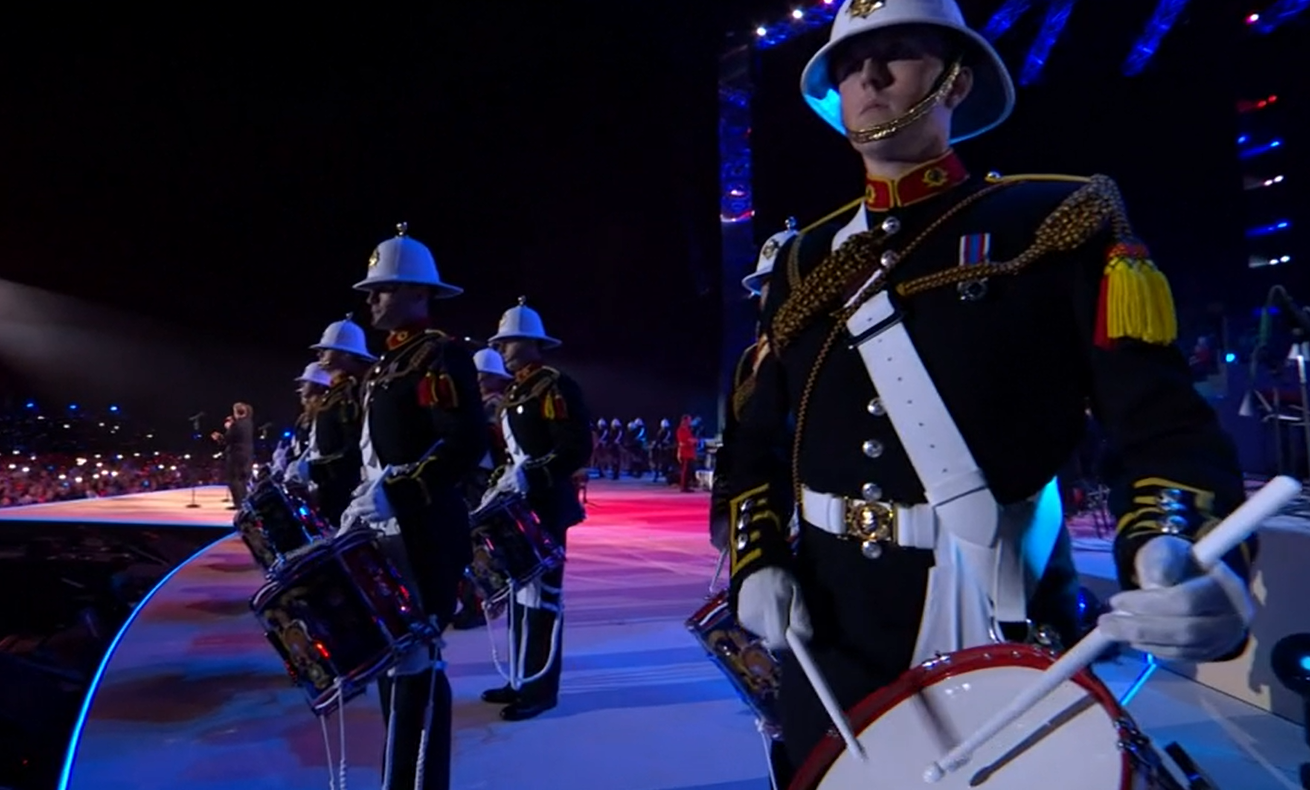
[866,617]
[540,622]
[435,566]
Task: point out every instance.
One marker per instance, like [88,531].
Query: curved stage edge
[192,695]
[71,758]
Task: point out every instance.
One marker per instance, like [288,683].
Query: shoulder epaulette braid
[823,288]
[742,392]
[1135,300]
[794,259]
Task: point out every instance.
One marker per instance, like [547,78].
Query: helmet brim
[988,104]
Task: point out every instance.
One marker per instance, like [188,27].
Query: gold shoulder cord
[1072,224]
[538,387]
[839,325]
[793,255]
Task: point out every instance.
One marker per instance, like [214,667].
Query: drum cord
[337,780]
[518,652]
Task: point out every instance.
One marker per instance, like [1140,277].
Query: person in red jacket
[687,443]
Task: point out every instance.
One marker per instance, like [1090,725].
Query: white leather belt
[915,526]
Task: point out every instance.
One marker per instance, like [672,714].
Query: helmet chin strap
[921,108]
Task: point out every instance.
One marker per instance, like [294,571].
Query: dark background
[186,200]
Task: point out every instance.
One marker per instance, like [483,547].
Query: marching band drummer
[548,434]
[935,346]
[743,382]
[335,465]
[493,378]
[312,384]
[423,434]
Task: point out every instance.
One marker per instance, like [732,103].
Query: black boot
[542,694]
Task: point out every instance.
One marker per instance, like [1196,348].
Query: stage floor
[194,697]
[160,508]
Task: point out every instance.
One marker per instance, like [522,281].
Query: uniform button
[871,492]
[742,542]
[888,259]
[876,408]
[1173,525]
[891,226]
[872,448]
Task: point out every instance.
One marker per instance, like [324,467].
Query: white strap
[916,525]
[512,444]
[953,484]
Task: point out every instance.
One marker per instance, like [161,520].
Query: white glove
[1180,614]
[512,481]
[370,505]
[280,458]
[298,472]
[768,603]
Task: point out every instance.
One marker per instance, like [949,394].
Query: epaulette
[743,381]
[793,258]
[1135,299]
[541,384]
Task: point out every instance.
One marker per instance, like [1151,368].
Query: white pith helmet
[523,323]
[402,260]
[315,374]
[764,266]
[989,102]
[489,361]
[347,336]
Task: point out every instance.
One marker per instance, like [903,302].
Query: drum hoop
[708,610]
[864,713]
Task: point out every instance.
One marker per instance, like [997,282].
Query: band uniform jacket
[338,422]
[742,385]
[480,479]
[548,419]
[424,390]
[300,432]
[1063,309]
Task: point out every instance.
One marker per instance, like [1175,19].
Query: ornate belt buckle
[871,522]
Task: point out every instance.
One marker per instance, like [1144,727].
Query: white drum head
[1072,736]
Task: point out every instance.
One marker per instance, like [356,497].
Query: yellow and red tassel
[1135,300]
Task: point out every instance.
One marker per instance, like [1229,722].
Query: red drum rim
[710,608]
[872,707]
[353,683]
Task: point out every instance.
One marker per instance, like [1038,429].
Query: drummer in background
[423,435]
[548,435]
[312,384]
[934,345]
[493,378]
[334,466]
[743,384]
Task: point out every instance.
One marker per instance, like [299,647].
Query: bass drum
[1078,738]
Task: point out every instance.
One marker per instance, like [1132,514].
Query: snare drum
[1078,738]
[754,671]
[510,550]
[338,614]
[275,524]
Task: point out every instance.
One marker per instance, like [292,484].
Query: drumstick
[1207,552]
[825,695]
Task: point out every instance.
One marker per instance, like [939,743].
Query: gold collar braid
[922,107]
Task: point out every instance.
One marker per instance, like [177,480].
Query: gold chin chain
[921,108]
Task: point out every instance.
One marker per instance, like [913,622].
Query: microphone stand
[195,431]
